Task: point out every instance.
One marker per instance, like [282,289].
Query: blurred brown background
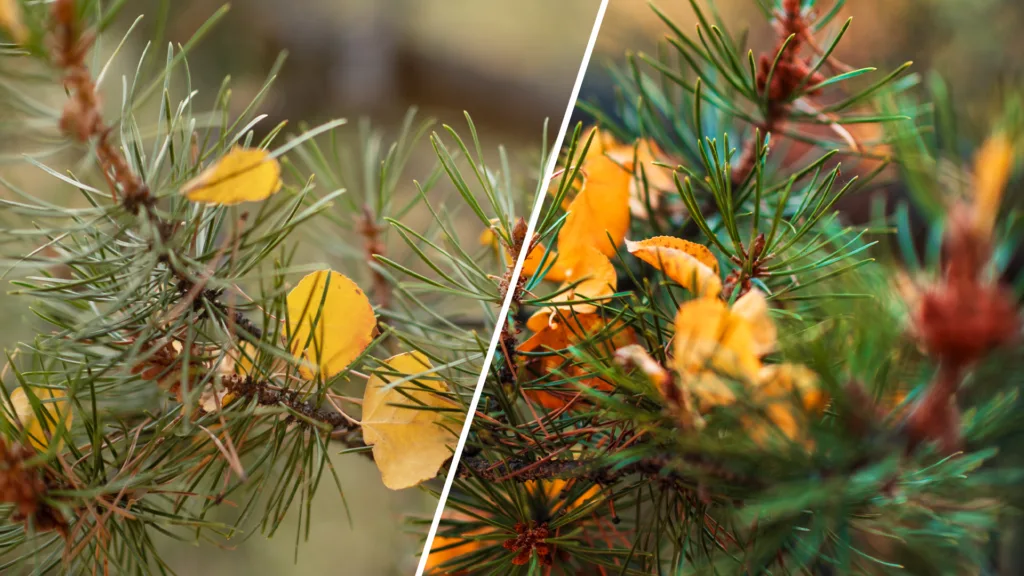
[975,44]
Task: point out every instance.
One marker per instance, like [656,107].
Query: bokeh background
[976,45]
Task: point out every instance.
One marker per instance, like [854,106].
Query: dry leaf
[690,264]
[559,332]
[600,210]
[597,280]
[711,343]
[992,168]
[552,491]
[211,399]
[788,393]
[643,153]
[55,408]
[409,444]
[558,267]
[753,307]
[344,324]
[440,553]
[242,175]
[11,21]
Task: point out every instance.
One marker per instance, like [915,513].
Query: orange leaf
[690,264]
[600,210]
[788,394]
[712,343]
[596,281]
[643,153]
[753,307]
[559,332]
[558,266]
[992,169]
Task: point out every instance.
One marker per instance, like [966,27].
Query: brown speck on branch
[374,246]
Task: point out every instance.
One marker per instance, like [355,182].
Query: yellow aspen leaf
[753,307]
[56,412]
[11,21]
[409,443]
[212,399]
[712,343]
[690,264]
[489,237]
[596,279]
[600,210]
[341,315]
[992,168]
[242,175]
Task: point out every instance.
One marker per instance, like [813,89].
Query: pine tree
[190,375]
[710,370]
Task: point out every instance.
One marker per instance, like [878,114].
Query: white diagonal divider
[548,172]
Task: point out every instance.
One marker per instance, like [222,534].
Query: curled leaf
[403,423]
[557,267]
[54,415]
[712,344]
[331,321]
[554,334]
[789,393]
[639,159]
[753,307]
[690,264]
[242,175]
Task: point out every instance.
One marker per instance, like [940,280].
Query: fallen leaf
[551,491]
[690,264]
[242,175]
[343,318]
[409,444]
[639,159]
[712,344]
[753,307]
[553,335]
[55,410]
[444,550]
[596,281]
[992,168]
[789,393]
[599,211]
[557,267]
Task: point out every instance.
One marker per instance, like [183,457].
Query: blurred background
[975,45]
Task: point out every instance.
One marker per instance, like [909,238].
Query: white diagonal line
[534,216]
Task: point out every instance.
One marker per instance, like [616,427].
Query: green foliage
[643,481]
